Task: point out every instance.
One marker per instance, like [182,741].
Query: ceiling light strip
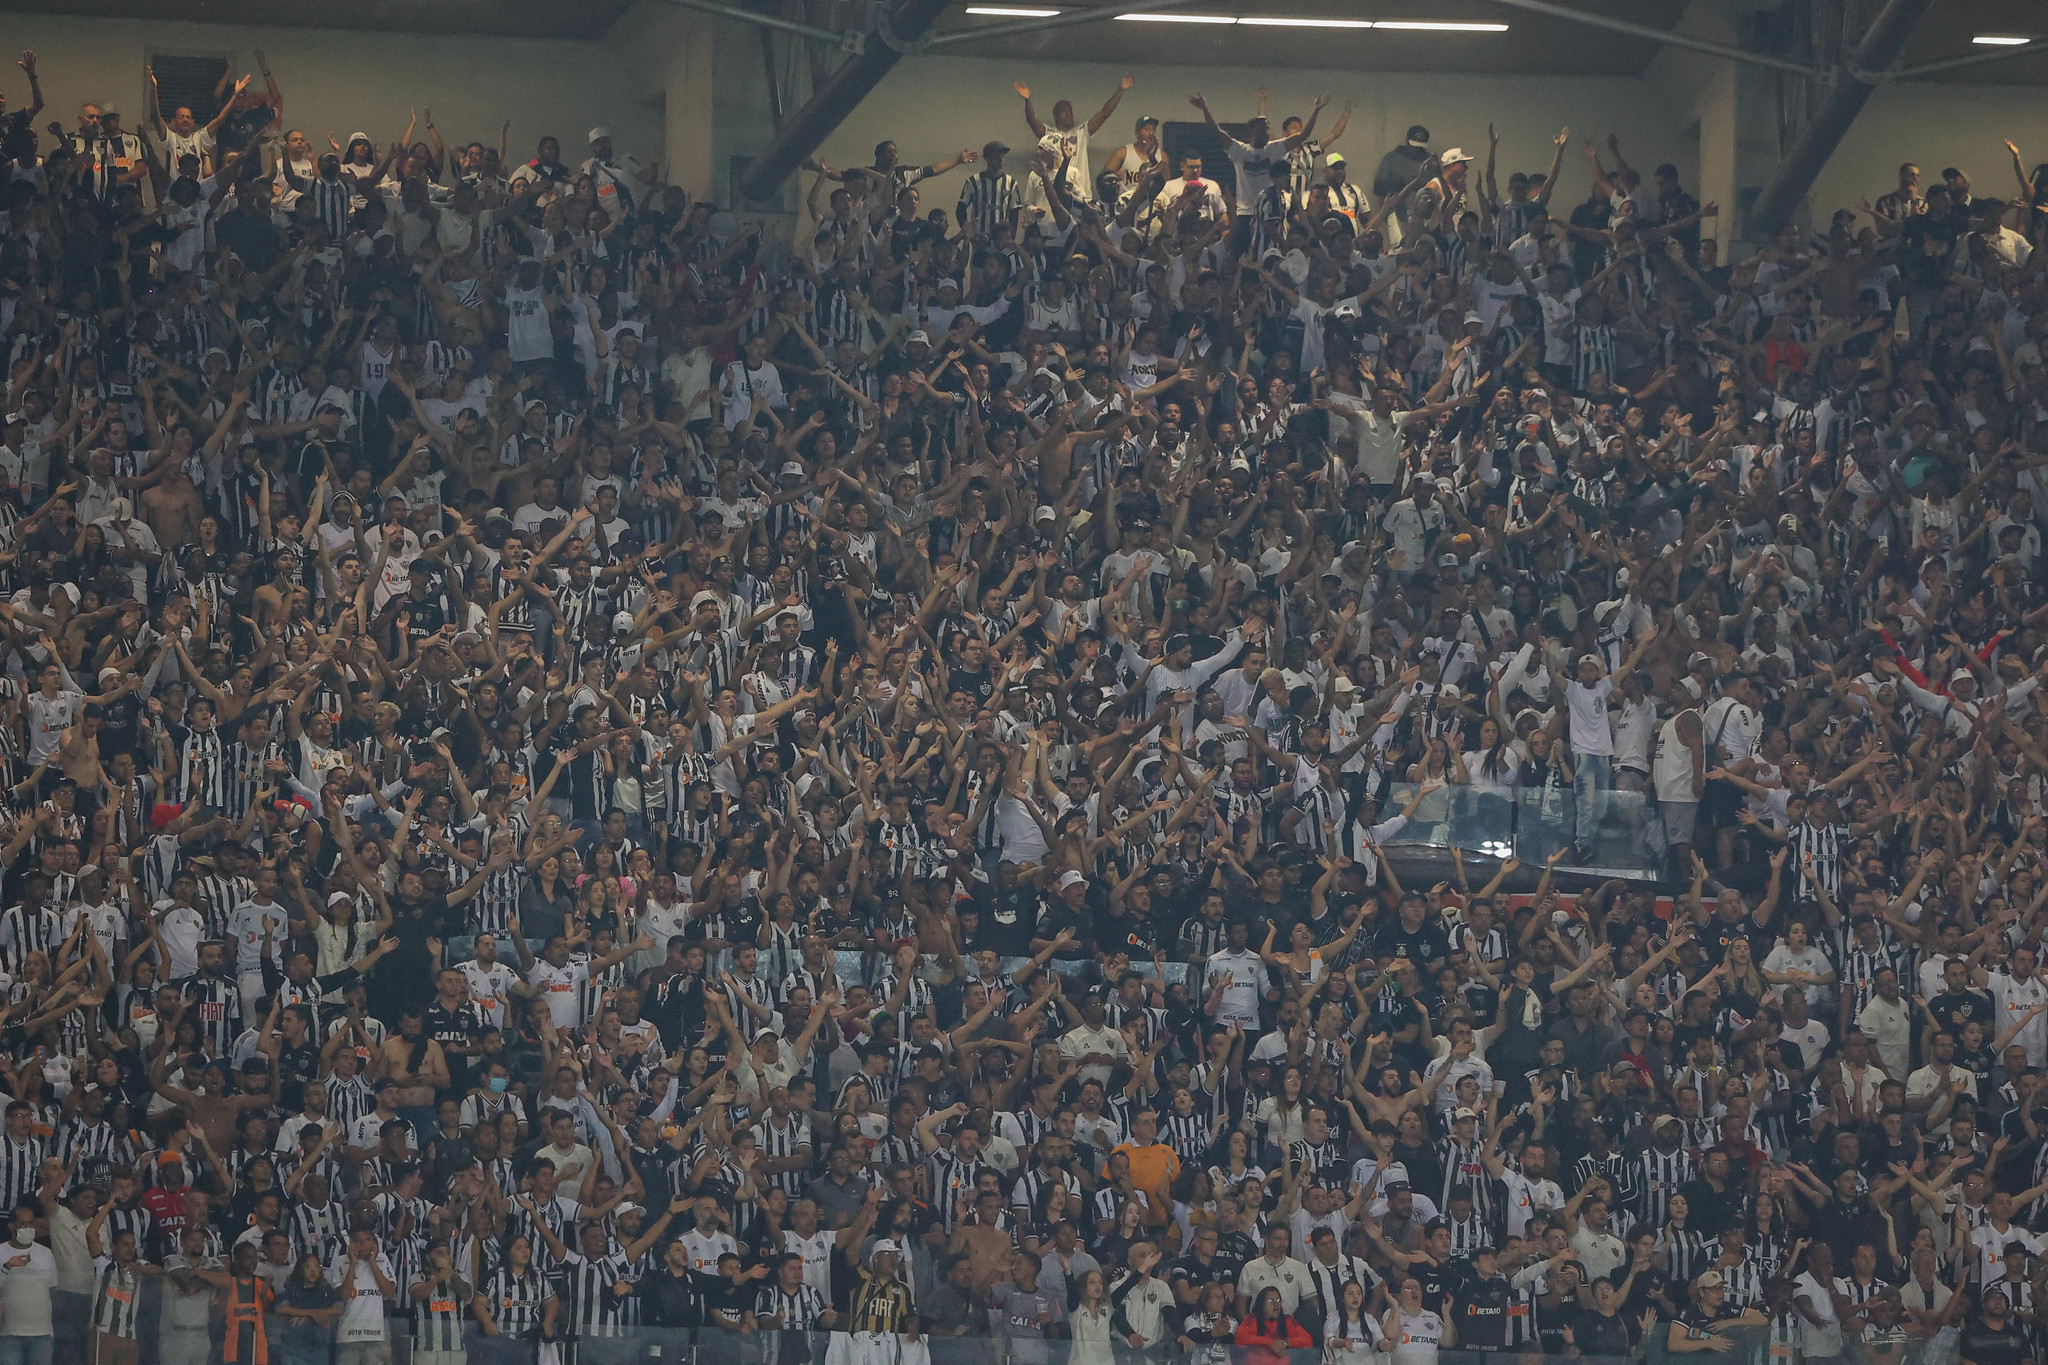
[1280,21]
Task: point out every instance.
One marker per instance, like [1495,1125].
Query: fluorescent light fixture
[1440,25]
[1012,11]
[2000,40]
[1287,21]
[1276,21]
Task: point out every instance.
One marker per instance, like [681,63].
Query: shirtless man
[78,749]
[217,1114]
[413,1087]
[171,510]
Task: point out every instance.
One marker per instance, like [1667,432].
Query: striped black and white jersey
[348,1100]
[93,1146]
[518,1300]
[1746,1281]
[1856,1293]
[438,1319]
[774,1139]
[320,1231]
[139,1222]
[24,930]
[242,775]
[987,200]
[200,773]
[1686,1252]
[1658,1176]
[593,1301]
[215,1005]
[1612,1167]
[117,1294]
[917,999]
[1322,1163]
[1031,1185]
[756,988]
[1468,1235]
[952,1181]
[218,899]
[793,1312]
[1330,1280]
[21,1169]
[491,908]
[1464,1163]
[1189,1135]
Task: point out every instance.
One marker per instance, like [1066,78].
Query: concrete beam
[1855,78]
[806,129]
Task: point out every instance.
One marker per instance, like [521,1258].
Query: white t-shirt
[740,383]
[2012,998]
[27,1275]
[705,1248]
[488,988]
[1823,1338]
[558,985]
[362,1317]
[1245,978]
[1812,1038]
[1527,1198]
[1421,1334]
[1590,731]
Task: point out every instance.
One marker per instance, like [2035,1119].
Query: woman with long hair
[1115,1247]
[310,1307]
[1207,1332]
[522,1300]
[1282,1114]
[1230,1161]
[1490,771]
[1091,1323]
[1686,1251]
[1270,1332]
[1351,1334]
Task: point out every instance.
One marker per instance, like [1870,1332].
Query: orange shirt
[1153,1170]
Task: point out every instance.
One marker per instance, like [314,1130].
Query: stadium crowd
[572,780]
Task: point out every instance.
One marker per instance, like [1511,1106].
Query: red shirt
[167,1207]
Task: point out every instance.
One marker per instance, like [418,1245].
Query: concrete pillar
[1733,110]
[670,53]
[688,89]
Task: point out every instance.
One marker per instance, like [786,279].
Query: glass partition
[1612,833]
[712,1346]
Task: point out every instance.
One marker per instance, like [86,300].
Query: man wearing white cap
[614,195]
[750,378]
[130,544]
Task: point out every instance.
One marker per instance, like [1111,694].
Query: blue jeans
[1592,779]
[28,1350]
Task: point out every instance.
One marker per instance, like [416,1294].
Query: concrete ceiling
[505,18]
[1533,44]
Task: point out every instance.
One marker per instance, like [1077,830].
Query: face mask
[499,1084]
[24,1237]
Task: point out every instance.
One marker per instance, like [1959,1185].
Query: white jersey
[1421,1334]
[528,335]
[817,1253]
[489,988]
[48,719]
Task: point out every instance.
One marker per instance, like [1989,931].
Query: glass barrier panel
[1076,1340]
